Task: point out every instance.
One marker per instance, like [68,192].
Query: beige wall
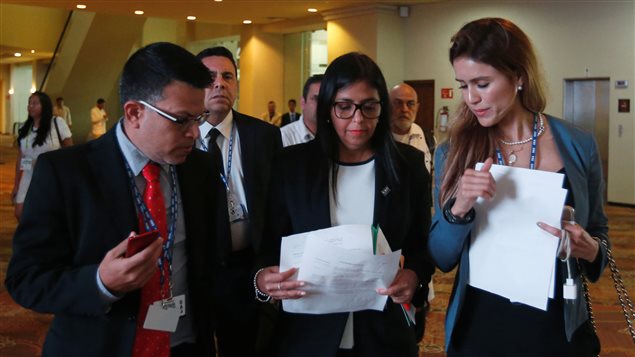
[352,33]
[160,30]
[569,38]
[391,46]
[31,26]
[294,55]
[261,70]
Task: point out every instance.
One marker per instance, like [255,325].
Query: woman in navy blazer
[496,67]
[353,155]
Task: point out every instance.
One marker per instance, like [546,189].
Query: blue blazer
[449,243]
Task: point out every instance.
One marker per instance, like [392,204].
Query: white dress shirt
[236,176]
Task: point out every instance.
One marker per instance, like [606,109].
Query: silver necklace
[541,130]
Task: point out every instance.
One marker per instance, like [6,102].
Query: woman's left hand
[402,288]
[582,244]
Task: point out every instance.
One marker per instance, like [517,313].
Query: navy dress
[491,325]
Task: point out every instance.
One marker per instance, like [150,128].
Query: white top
[30,153]
[415,138]
[236,177]
[355,204]
[296,133]
[98,117]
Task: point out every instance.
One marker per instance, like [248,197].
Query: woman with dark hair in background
[352,173]
[500,120]
[41,132]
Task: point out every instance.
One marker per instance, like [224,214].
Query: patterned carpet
[22,332]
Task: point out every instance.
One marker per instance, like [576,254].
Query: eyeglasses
[346,110]
[181,121]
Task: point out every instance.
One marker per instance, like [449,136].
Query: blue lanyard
[225,177]
[149,223]
[534,140]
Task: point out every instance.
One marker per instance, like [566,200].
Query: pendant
[511,159]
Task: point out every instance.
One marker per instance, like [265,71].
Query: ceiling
[231,12]
[227,12]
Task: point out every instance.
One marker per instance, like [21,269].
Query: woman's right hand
[276,284]
[472,185]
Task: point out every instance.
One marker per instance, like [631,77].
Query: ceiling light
[11,91]
[32,89]
[17,54]
[138,12]
[312,10]
[81,6]
[32,51]
[191,18]
[246,22]
[218,0]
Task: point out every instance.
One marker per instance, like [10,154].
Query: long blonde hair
[501,44]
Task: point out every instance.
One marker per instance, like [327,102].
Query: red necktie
[152,343]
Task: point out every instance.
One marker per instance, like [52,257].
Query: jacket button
[132,318]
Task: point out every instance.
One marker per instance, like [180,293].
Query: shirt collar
[133,156]
[224,127]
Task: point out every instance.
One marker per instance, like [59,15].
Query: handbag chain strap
[622,294]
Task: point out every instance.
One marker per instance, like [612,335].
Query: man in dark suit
[291,115]
[69,251]
[248,146]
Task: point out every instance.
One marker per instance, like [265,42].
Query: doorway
[425,94]
[586,106]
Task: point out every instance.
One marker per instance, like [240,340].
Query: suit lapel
[247,155]
[383,194]
[320,191]
[107,164]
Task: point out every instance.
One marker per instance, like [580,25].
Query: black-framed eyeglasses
[346,110]
[182,120]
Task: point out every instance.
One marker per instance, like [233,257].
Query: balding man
[405,105]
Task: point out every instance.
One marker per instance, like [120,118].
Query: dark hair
[149,70]
[292,101]
[45,121]
[101,101]
[316,78]
[501,44]
[59,98]
[218,51]
[343,71]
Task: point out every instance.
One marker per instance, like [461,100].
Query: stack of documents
[340,269]
[509,254]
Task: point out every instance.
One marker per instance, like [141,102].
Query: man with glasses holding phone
[247,146]
[141,177]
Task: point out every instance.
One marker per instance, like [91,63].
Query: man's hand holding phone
[130,264]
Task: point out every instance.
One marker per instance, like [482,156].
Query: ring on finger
[279,288]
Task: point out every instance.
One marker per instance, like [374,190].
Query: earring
[520,87]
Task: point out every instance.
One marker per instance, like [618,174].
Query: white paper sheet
[340,269]
[509,254]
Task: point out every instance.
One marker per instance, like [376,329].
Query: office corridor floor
[22,331]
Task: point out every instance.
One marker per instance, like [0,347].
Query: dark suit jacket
[79,206]
[286,118]
[300,203]
[259,143]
